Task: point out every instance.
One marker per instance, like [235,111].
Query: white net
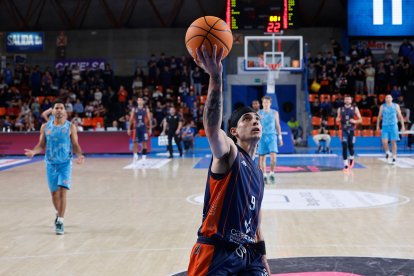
[272,76]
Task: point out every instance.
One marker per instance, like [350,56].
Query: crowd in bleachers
[364,76]
[95,100]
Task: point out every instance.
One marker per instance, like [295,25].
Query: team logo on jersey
[244,163]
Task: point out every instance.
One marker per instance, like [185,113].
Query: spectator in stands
[157,94]
[97,95]
[323,134]
[338,103]
[152,70]
[402,72]
[381,75]
[350,79]
[359,78]
[405,49]
[395,93]
[316,107]
[189,99]
[404,110]
[114,126]
[370,79]
[196,81]
[326,107]
[78,107]
[294,127]
[7,124]
[256,105]
[336,48]
[375,107]
[187,135]
[122,96]
[165,77]
[389,52]
[46,104]
[185,75]
[35,107]
[36,80]
[108,75]
[364,103]
[183,90]
[68,107]
[8,75]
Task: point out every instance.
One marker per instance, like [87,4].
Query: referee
[174,123]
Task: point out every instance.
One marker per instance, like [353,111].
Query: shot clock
[272,16]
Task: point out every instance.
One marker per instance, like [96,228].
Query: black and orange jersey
[232,202]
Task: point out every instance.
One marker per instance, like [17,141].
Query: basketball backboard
[260,51]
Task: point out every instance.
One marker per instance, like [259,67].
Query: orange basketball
[208,30]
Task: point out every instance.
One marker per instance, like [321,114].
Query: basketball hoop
[273,70]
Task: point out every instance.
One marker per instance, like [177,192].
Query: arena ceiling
[49,15]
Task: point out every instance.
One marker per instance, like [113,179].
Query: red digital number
[273,27]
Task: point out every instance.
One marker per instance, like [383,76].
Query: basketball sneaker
[135,159]
[272,179]
[346,169]
[265,179]
[59,228]
[351,163]
[393,161]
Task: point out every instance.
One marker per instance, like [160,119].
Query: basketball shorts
[208,260]
[390,132]
[59,175]
[348,136]
[267,144]
[141,135]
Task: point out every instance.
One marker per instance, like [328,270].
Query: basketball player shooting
[230,240]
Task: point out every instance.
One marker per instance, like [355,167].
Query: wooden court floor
[139,222]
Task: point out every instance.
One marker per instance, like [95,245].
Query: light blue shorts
[390,132]
[267,144]
[59,175]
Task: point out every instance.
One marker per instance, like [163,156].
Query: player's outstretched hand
[29,153]
[210,64]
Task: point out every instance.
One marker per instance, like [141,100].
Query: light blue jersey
[268,143]
[389,122]
[268,121]
[389,114]
[58,155]
[58,143]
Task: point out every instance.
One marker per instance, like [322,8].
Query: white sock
[272,174]
[60,219]
[135,155]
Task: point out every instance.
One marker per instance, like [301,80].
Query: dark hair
[58,101]
[235,117]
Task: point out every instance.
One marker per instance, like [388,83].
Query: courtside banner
[91,63]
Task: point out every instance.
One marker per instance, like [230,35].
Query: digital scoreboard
[271,16]
[381,18]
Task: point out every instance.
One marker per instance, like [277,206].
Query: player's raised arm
[220,144]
